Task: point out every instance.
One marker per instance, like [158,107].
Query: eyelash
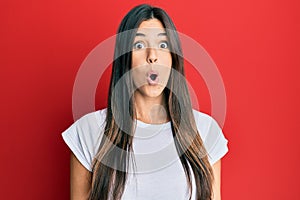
[141,42]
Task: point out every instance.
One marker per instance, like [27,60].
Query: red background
[255,45]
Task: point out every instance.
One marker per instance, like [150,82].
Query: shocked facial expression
[151,58]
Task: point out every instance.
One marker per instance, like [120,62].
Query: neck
[151,110]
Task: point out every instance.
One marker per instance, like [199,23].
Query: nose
[152,56]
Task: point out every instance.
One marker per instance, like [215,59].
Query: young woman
[148,143]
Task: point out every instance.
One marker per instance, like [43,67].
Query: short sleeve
[215,142]
[212,136]
[83,137]
[79,149]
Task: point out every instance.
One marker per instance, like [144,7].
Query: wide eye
[164,45]
[138,45]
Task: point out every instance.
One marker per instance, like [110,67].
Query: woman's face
[151,59]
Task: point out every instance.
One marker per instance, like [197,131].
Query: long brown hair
[110,166]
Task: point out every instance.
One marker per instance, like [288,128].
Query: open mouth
[152,78]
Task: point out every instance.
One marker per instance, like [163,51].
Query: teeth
[153,76]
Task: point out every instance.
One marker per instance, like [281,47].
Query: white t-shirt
[158,173]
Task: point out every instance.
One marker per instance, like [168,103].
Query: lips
[152,78]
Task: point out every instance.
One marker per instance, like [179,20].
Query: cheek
[164,75]
[137,72]
[137,59]
[166,59]
[138,76]
[165,67]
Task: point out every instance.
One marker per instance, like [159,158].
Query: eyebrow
[143,35]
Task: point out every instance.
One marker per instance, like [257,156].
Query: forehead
[151,26]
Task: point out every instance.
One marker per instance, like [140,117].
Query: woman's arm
[80,180]
[217,180]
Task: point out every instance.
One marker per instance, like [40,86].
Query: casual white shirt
[158,173]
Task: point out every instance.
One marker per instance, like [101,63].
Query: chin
[152,91]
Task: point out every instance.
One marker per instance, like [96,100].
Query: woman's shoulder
[95,118]
[88,128]
[203,119]
[205,123]
[84,136]
[212,136]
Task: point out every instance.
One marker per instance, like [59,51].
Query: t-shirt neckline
[142,124]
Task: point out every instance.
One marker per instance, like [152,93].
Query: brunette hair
[110,166]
